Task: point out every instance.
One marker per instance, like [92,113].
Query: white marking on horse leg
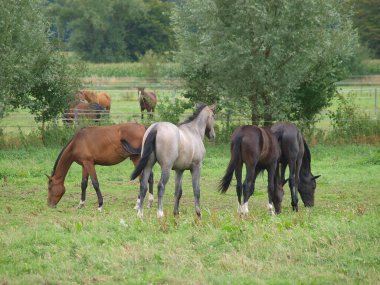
[245,208]
[100,208]
[137,204]
[160,214]
[81,204]
[270,209]
[140,214]
[150,200]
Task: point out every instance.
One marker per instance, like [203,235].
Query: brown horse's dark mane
[59,157]
[306,159]
[194,115]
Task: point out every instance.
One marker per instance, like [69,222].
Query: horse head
[210,132]
[306,188]
[55,191]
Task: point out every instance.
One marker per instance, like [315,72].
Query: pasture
[333,243]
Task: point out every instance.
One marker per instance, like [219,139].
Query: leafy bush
[351,126]
[170,110]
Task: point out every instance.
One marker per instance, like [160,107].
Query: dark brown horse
[81,111]
[259,149]
[106,145]
[148,101]
[102,98]
[296,154]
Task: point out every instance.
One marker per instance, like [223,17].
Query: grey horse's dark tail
[129,148]
[235,154]
[149,147]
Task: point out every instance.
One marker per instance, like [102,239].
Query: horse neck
[198,125]
[63,164]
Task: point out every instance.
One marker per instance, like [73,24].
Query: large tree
[33,74]
[367,20]
[113,30]
[264,55]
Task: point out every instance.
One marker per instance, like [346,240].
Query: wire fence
[125,108]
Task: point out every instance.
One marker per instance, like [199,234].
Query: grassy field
[336,242]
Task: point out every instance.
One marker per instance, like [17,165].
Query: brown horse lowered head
[106,145]
[148,101]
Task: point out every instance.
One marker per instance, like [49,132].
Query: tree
[113,30]
[367,20]
[33,75]
[265,55]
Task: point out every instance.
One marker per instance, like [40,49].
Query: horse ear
[49,177]
[286,180]
[213,107]
[315,177]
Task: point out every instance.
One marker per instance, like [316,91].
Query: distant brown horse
[106,145]
[148,101]
[102,98]
[83,110]
[259,150]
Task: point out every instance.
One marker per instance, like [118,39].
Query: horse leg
[143,184]
[151,183]
[271,189]
[238,175]
[297,179]
[95,183]
[165,174]
[248,186]
[293,193]
[83,185]
[178,190]
[196,175]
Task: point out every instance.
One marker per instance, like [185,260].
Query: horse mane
[59,157]
[195,114]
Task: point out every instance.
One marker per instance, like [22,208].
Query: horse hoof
[80,205]
[100,208]
[140,214]
[160,214]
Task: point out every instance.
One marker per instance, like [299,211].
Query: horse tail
[235,154]
[149,148]
[129,148]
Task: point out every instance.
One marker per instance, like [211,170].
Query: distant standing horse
[102,98]
[180,148]
[83,110]
[259,150]
[296,154]
[148,101]
[107,145]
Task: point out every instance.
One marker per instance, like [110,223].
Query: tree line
[269,59]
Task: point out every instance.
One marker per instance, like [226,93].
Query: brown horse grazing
[296,154]
[259,150]
[106,145]
[102,98]
[148,101]
[83,110]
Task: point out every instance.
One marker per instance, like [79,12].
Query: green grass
[334,243]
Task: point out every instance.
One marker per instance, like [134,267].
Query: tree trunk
[255,115]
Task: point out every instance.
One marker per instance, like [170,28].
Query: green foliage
[135,27]
[367,21]
[264,53]
[34,75]
[351,126]
[171,109]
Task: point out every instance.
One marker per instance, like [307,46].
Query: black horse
[259,149]
[296,154]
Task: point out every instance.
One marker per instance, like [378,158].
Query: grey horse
[179,148]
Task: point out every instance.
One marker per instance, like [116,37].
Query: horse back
[291,140]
